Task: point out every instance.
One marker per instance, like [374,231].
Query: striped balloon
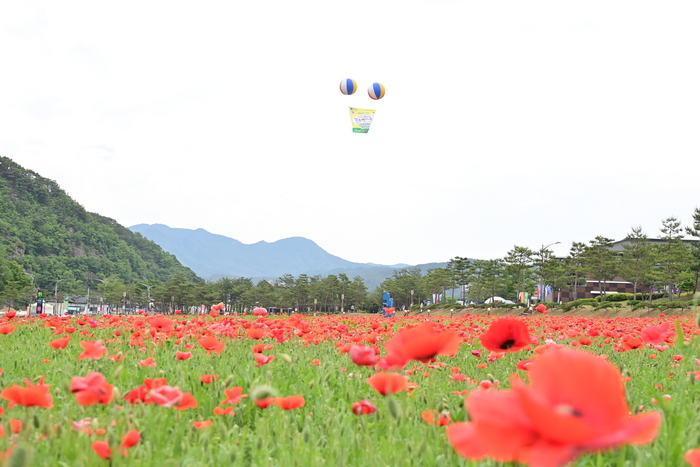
[348,86]
[376,91]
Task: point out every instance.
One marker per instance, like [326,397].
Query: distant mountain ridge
[214,256]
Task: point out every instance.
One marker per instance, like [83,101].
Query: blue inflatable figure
[387,305]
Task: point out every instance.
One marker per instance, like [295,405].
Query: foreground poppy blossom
[233,395]
[289,402]
[692,457]
[363,407]
[187,402]
[102,449]
[202,424]
[656,334]
[160,324]
[363,355]
[61,343]
[222,411]
[7,328]
[206,379]
[432,417]
[33,395]
[388,383]
[92,389]
[131,439]
[422,343]
[575,404]
[261,359]
[167,396]
[506,335]
[211,344]
[93,350]
[183,355]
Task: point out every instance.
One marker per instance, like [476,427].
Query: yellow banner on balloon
[361,119]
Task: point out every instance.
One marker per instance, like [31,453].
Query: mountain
[215,256]
[54,238]
[209,254]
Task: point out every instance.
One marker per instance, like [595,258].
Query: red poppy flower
[255,333]
[258,348]
[93,350]
[289,402]
[432,417]
[506,335]
[363,355]
[10,314]
[60,343]
[15,425]
[265,402]
[656,334]
[422,343]
[202,424]
[183,355]
[166,396]
[131,439]
[7,328]
[315,362]
[363,407]
[211,344]
[187,402]
[150,362]
[631,343]
[692,457]
[92,389]
[160,324]
[233,395]
[222,411]
[33,395]
[575,404]
[261,359]
[388,383]
[206,379]
[102,449]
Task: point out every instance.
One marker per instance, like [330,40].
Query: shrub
[619,297]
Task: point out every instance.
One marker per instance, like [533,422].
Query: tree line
[668,263]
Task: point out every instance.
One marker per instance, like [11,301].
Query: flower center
[507,344]
[566,409]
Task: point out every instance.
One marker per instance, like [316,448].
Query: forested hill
[52,237]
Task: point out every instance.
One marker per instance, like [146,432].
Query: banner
[361,119]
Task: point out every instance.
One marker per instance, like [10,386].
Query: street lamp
[544,286]
[102,298]
[148,304]
[55,296]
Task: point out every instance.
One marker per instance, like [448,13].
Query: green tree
[519,264]
[637,260]
[694,231]
[462,270]
[601,262]
[493,276]
[672,255]
[575,267]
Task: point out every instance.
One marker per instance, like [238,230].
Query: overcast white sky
[504,122]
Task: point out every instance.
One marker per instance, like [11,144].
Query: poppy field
[336,390]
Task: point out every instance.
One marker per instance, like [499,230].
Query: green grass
[322,433]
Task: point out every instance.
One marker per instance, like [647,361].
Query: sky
[504,122]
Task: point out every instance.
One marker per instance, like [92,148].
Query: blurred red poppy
[61,343]
[92,389]
[506,335]
[388,383]
[33,395]
[289,402]
[423,342]
[363,407]
[93,350]
[211,344]
[102,449]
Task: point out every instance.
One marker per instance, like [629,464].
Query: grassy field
[310,361]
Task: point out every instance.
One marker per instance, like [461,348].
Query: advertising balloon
[348,86]
[376,91]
